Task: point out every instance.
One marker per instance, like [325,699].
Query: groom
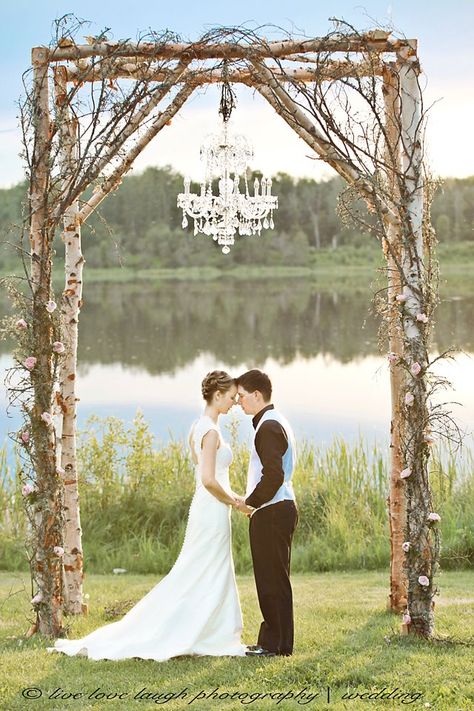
[270,501]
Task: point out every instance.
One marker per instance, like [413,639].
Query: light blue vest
[289,461]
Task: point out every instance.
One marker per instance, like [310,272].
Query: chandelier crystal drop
[227,159]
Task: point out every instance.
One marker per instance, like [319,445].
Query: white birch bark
[377,40]
[126,69]
[47,569]
[420,558]
[70,308]
[397,599]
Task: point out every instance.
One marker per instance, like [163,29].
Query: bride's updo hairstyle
[217,380]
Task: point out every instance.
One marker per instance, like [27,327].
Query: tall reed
[135,498]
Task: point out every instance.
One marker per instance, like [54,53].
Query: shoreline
[326,265]
[317,273]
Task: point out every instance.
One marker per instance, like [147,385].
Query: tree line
[139,225]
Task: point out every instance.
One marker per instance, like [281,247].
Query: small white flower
[46,417]
[37,598]
[423,580]
[51,306]
[434,517]
[406,546]
[405,473]
[58,550]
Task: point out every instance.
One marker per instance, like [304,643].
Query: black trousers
[271,534]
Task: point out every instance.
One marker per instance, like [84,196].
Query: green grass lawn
[345,640]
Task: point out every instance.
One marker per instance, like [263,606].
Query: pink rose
[405,473]
[415,368]
[30,362]
[406,546]
[46,417]
[37,598]
[59,551]
[423,580]
[25,436]
[392,357]
[434,517]
[27,489]
[58,347]
[406,618]
[422,317]
[21,324]
[51,306]
[402,298]
[409,399]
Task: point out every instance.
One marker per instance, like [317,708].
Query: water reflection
[149,345]
[163,327]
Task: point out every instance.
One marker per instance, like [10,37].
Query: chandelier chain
[228,98]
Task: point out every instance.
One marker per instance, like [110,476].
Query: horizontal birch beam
[324,72]
[378,41]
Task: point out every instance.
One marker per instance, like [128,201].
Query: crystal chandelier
[227,159]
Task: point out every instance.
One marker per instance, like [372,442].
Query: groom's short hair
[256,380]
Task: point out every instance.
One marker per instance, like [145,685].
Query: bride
[195,609]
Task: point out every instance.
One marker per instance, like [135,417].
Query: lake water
[147,346]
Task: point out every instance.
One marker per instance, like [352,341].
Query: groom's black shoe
[255,650]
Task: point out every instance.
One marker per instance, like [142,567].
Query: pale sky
[446,39]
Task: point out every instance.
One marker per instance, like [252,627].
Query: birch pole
[377,40]
[274,92]
[397,598]
[421,533]
[66,398]
[46,569]
[115,178]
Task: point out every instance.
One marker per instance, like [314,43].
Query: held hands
[241,506]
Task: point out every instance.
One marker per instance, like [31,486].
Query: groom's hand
[242,506]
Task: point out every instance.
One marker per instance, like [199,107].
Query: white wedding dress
[195,609]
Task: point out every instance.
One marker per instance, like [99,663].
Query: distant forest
[139,225]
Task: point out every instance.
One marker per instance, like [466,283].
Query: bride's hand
[242,506]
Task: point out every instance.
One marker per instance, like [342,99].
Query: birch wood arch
[91,110]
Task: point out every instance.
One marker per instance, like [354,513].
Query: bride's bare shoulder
[199,429]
